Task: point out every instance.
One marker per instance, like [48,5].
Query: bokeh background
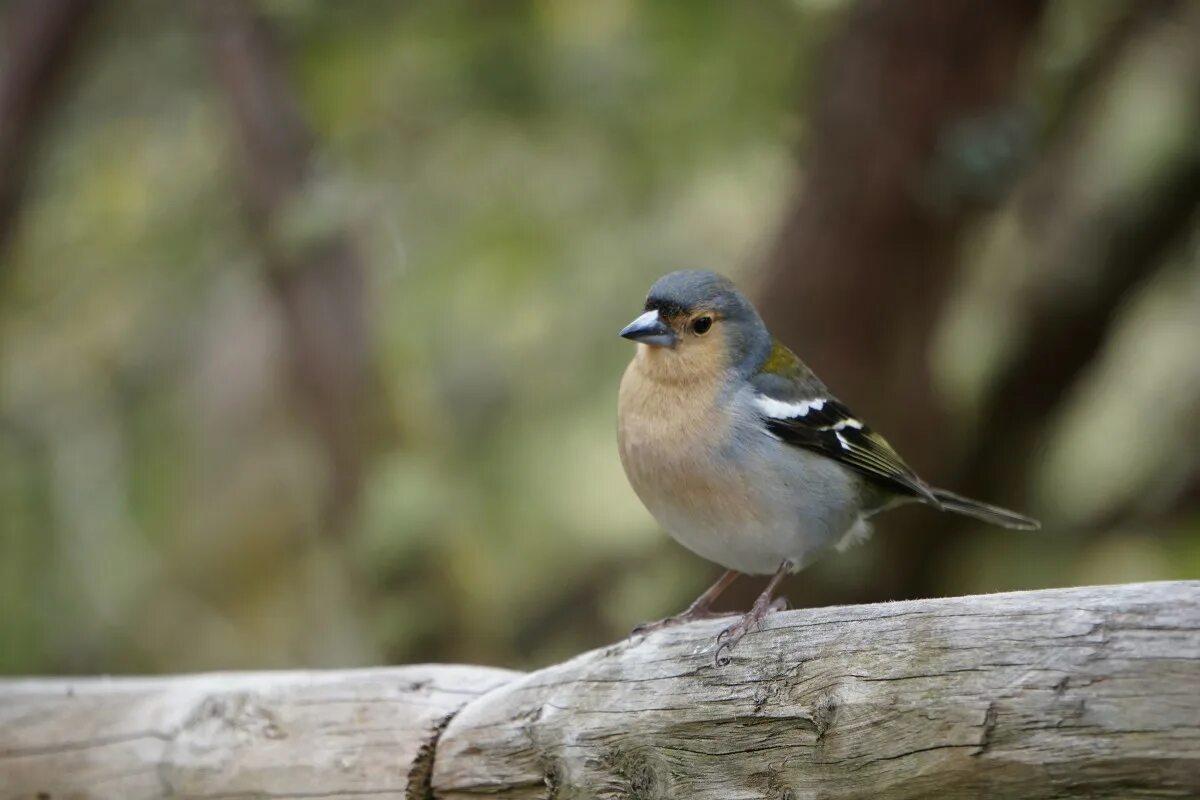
[308,310]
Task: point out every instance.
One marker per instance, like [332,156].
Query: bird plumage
[739,451]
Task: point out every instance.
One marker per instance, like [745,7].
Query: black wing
[826,426]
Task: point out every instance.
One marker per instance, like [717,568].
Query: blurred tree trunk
[41,37]
[310,261]
[1090,251]
[1065,326]
[914,95]
[914,133]
[909,94]
[1099,248]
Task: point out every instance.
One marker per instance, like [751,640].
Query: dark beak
[649,329]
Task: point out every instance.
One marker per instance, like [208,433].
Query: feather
[799,410]
[826,426]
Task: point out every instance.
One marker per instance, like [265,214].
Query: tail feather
[982,511]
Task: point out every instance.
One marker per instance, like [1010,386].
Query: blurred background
[308,310]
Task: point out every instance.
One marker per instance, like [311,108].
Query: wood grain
[1091,692]
[1067,693]
[285,734]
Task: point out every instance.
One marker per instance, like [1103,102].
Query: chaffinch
[740,452]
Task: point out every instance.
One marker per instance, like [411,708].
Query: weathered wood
[286,734]
[1091,692]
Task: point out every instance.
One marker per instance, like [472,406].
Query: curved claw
[722,657]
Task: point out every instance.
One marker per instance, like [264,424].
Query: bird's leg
[701,607]
[763,605]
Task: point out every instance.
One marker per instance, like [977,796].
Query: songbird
[740,452]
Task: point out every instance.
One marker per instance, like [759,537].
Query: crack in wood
[420,774]
[85,744]
[989,729]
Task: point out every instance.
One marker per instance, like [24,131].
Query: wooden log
[1088,693]
[1091,692]
[283,734]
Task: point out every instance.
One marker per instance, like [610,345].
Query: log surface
[1067,693]
[234,735]
[1090,692]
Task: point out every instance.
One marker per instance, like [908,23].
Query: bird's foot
[728,638]
[682,618]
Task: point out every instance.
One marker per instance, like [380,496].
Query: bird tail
[982,511]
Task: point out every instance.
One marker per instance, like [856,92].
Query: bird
[743,455]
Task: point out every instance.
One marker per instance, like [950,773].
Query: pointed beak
[649,329]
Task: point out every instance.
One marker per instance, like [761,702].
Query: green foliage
[515,175]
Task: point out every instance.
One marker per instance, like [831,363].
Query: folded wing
[824,425]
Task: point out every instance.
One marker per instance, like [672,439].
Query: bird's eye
[701,325]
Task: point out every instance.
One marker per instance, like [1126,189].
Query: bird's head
[696,323]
